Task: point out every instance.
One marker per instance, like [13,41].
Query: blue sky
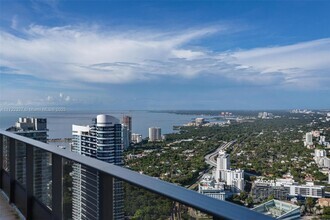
[165,54]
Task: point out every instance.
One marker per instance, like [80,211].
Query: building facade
[210,187]
[103,141]
[155,134]
[136,138]
[35,128]
[287,187]
[309,139]
[233,178]
[127,131]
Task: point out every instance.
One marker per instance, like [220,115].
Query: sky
[165,55]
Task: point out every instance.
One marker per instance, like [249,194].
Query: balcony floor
[6,211]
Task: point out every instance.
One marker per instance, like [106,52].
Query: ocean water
[60,123]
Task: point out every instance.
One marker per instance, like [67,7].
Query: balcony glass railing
[46,182]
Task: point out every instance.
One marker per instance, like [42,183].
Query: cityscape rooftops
[279,210]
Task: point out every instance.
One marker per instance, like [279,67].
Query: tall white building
[103,141]
[223,161]
[224,181]
[233,178]
[155,134]
[309,138]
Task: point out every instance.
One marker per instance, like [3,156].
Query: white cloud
[87,54]
[302,64]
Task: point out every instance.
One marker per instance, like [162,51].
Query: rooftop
[279,209]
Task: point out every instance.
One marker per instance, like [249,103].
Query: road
[211,158]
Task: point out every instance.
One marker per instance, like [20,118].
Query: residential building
[155,134]
[321,159]
[103,141]
[309,139]
[210,187]
[265,115]
[292,188]
[127,131]
[126,134]
[35,128]
[199,121]
[223,161]
[260,192]
[320,153]
[127,120]
[136,138]
[233,178]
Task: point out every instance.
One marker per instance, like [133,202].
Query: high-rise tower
[35,128]
[127,120]
[127,131]
[155,134]
[103,141]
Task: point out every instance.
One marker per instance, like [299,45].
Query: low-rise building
[264,188]
[279,210]
[321,159]
[210,187]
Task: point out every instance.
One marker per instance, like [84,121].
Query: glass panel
[67,188]
[143,204]
[5,163]
[42,174]
[20,162]
[85,193]
[82,193]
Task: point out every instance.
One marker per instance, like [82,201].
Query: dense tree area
[278,148]
[142,204]
[270,148]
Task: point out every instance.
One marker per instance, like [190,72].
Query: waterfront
[60,123]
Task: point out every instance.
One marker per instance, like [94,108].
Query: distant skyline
[168,54]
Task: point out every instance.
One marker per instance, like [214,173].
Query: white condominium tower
[233,178]
[155,134]
[223,161]
[309,138]
[102,141]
